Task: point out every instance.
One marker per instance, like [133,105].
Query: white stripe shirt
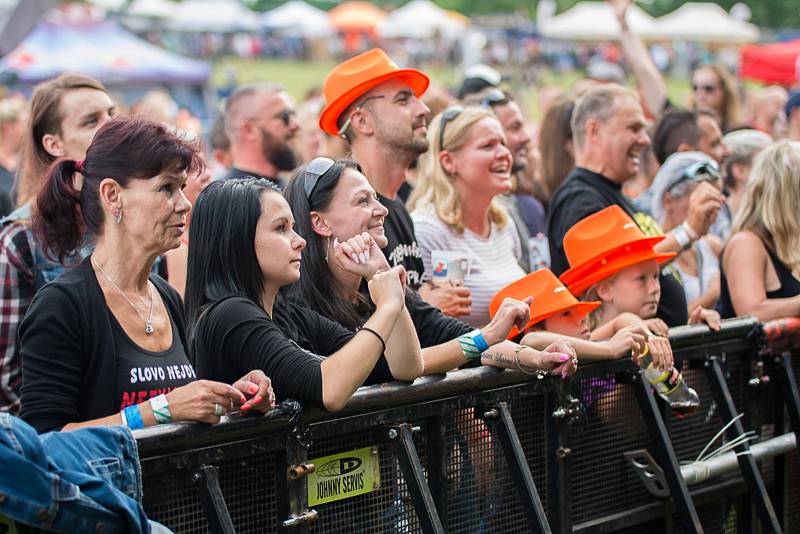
[494,258]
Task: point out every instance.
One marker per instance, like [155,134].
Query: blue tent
[99,49]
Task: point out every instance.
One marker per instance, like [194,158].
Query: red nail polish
[257,399]
[245,407]
[254,389]
[242,399]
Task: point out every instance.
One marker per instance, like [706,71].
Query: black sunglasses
[314,171]
[447,115]
[286,116]
[704,88]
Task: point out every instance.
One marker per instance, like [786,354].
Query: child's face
[635,289]
[568,323]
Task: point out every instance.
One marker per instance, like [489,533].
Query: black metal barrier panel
[485,450]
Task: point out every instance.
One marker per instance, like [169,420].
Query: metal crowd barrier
[485,450]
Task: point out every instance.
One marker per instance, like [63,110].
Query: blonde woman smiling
[455,205]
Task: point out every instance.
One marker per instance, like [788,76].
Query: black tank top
[143,374]
[789,286]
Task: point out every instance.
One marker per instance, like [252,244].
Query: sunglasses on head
[493,97]
[701,171]
[314,171]
[704,88]
[448,115]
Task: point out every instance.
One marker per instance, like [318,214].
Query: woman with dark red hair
[105,343]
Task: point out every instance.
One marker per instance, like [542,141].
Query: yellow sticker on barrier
[7,525]
[344,475]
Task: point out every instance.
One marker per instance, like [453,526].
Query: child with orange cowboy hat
[557,314]
[612,261]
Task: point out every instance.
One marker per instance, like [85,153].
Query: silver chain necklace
[148,323]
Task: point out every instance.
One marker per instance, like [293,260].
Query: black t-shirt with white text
[402,248]
[142,374]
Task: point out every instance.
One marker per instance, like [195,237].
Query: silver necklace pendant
[148,327]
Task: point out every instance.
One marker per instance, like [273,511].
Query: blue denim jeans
[88,480]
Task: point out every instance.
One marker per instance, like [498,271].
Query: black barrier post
[411,467]
[435,431]
[665,456]
[500,417]
[780,487]
[792,394]
[559,472]
[750,472]
[207,480]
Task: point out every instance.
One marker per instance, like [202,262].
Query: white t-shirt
[494,258]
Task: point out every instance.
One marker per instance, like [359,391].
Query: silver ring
[217,409]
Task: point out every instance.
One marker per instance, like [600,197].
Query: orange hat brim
[582,277]
[583,308]
[418,82]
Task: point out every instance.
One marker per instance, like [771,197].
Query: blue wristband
[480,342]
[134,417]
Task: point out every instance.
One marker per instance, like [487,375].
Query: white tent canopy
[704,22]
[160,9]
[595,21]
[212,16]
[299,18]
[420,19]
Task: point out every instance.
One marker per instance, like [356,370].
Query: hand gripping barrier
[485,450]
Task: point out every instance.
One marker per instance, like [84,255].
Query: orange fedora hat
[550,297]
[354,77]
[603,244]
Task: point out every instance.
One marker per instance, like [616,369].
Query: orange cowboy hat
[603,244]
[550,297]
[354,77]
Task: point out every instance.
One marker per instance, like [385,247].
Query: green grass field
[298,78]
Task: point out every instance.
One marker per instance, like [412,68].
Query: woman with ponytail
[64,116]
[105,344]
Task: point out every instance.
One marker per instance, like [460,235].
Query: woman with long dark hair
[243,250]
[333,202]
[105,343]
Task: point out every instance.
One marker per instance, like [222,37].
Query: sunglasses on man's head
[448,115]
[314,171]
[493,97]
[704,88]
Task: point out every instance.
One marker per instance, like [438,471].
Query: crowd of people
[384,231]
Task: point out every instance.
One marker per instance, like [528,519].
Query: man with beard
[609,135]
[261,124]
[374,105]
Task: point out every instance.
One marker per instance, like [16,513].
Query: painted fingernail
[257,399]
[563,357]
[253,388]
[245,407]
[354,257]
[363,257]
[242,399]
[335,242]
